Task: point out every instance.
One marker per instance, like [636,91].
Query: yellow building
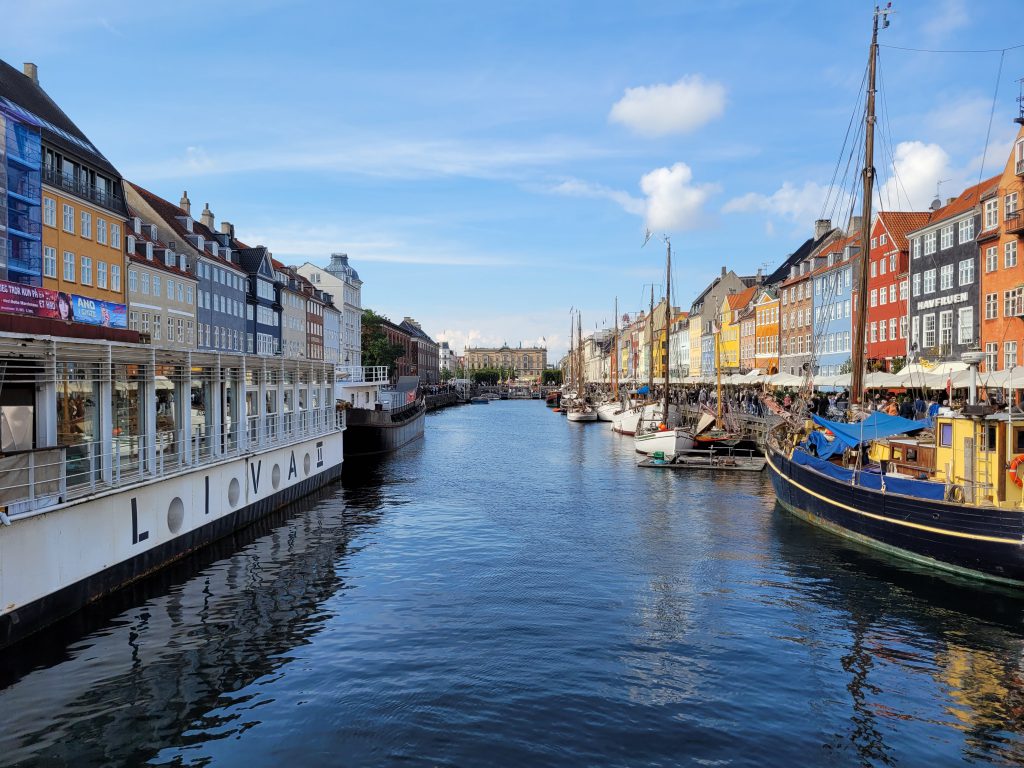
[729,322]
[695,350]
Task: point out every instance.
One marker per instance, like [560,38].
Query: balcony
[93,194]
[1013,223]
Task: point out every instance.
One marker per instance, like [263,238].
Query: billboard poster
[95,312]
[20,299]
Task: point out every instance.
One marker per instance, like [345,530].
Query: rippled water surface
[513,590]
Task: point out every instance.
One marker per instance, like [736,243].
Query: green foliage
[446,375]
[377,350]
[846,367]
[552,377]
[898,364]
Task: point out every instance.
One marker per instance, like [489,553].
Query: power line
[953,50]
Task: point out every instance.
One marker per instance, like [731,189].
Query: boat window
[1018,440]
[911,454]
[946,435]
[990,442]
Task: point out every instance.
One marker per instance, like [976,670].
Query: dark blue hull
[981,542]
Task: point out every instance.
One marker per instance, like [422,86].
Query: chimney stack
[185,204]
[227,228]
[949,200]
[822,228]
[855,224]
[207,217]
[31,72]
[724,272]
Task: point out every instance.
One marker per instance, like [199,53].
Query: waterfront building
[889,287]
[766,332]
[597,351]
[263,307]
[707,311]
[425,351]
[747,319]
[944,280]
[161,292]
[832,302]
[293,311]
[1002,226]
[342,282]
[733,305]
[679,348]
[528,362]
[446,358]
[21,230]
[315,303]
[406,364]
[332,331]
[796,294]
[84,216]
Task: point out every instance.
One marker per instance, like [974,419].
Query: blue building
[263,307]
[833,306]
[21,226]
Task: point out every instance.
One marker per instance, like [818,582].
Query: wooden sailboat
[945,499]
[580,410]
[607,411]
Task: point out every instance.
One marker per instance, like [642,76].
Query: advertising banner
[19,299]
[96,312]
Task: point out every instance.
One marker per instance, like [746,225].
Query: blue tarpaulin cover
[921,489]
[643,390]
[874,427]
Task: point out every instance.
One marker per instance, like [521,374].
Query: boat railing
[31,477]
[361,374]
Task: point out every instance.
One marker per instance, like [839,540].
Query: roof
[57,128]
[964,202]
[838,247]
[741,299]
[169,213]
[154,262]
[898,223]
[801,253]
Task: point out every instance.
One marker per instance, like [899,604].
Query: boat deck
[700,459]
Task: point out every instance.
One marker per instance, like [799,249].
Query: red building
[888,286]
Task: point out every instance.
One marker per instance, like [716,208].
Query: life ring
[955,493]
[1012,469]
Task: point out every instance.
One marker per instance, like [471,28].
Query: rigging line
[953,50]
[887,133]
[991,115]
[839,159]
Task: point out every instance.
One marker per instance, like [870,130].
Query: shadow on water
[181,641]
[967,638]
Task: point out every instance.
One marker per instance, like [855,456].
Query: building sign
[942,301]
[96,312]
[21,299]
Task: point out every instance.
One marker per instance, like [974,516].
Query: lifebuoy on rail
[1012,469]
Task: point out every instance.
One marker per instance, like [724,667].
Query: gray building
[332,331]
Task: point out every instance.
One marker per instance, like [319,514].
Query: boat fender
[955,493]
[1012,469]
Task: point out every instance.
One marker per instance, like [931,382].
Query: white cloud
[661,110]
[913,179]
[673,202]
[577,188]
[799,204]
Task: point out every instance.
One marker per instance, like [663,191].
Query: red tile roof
[741,299]
[966,200]
[898,223]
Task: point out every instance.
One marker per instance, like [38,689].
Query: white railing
[361,374]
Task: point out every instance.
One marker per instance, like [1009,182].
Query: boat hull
[627,422]
[115,538]
[374,433]
[607,411]
[581,416]
[979,542]
[670,442]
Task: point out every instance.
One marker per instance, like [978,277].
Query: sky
[490,167]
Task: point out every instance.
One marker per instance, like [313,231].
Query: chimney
[31,72]
[723,272]
[227,228]
[185,204]
[855,224]
[949,200]
[207,217]
[822,228]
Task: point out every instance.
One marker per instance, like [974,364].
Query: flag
[949,387]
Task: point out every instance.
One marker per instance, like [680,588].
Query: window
[156,285]
[145,283]
[892,294]
[992,356]
[903,327]
[881,330]
[915,332]
[946,329]
[115,277]
[86,224]
[1010,254]
[133,281]
[188,295]
[874,269]
[170,288]
[917,284]
[49,262]
[170,328]
[69,266]
[115,236]
[181,330]
[947,237]
[929,243]
[69,219]
[1011,302]
[874,242]
[916,247]
[101,230]
[929,281]
[967,230]
[874,297]
[181,293]
[133,321]
[883,239]
[991,259]
[991,306]
[929,331]
[892,328]
[101,274]
[881,266]
[1009,354]
[874,332]
[1010,204]
[49,212]
[86,270]
[967,271]
[965,325]
[946,277]
[157,327]
[892,261]
[991,213]
[882,297]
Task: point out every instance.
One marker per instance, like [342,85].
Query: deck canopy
[874,427]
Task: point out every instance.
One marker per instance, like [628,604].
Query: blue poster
[96,312]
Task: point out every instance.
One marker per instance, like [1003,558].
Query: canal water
[513,590]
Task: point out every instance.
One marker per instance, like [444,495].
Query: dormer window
[130,241]
[149,251]
[188,223]
[169,258]
[201,242]
[153,232]
[182,263]
[137,225]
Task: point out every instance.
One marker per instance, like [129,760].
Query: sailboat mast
[650,346]
[857,377]
[668,321]
[615,354]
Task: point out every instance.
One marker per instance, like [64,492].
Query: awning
[874,427]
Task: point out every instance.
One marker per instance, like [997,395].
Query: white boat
[626,422]
[582,413]
[607,411]
[670,441]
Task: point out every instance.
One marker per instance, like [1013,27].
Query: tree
[551,376]
[446,375]
[846,367]
[377,349]
[897,364]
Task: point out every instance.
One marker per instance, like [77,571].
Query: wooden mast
[668,322]
[857,374]
[650,347]
[615,354]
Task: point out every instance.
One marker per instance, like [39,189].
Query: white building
[446,358]
[341,281]
[679,349]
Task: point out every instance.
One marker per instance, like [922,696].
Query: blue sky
[488,166]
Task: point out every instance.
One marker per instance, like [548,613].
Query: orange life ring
[1012,469]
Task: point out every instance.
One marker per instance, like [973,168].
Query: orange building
[766,332]
[1002,274]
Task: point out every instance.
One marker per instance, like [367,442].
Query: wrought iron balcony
[86,191]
